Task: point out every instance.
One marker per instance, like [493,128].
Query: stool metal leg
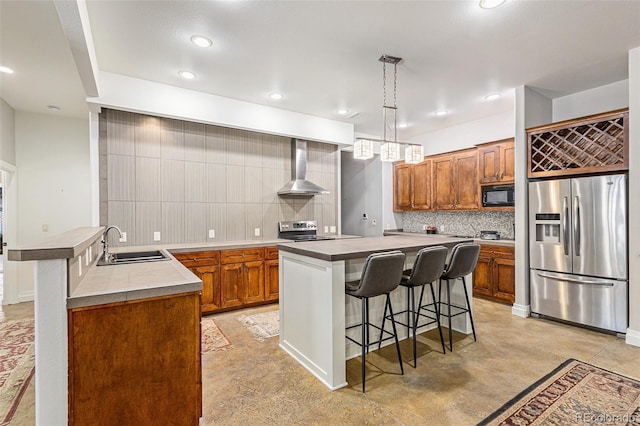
[466,296]
[364,341]
[449,314]
[414,316]
[433,294]
[395,335]
[384,317]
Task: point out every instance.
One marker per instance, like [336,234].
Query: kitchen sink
[133,257]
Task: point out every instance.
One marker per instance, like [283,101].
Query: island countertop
[358,248]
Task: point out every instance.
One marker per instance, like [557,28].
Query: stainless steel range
[300,230]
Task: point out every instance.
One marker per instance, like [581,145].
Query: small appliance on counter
[432,230]
[489,235]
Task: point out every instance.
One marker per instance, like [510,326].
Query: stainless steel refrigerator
[578,250]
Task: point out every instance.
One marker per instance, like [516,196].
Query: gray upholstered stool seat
[380,276]
[427,268]
[464,258]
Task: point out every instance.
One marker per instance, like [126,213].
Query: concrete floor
[257,383]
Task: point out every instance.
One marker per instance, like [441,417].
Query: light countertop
[362,247]
[501,242]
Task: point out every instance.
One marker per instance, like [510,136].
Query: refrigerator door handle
[569,280]
[565,227]
[576,225]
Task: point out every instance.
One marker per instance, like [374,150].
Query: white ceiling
[323,55]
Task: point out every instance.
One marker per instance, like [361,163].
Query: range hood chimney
[299,185]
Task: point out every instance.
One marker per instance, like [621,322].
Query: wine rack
[591,144]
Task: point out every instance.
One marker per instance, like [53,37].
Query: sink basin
[134,257]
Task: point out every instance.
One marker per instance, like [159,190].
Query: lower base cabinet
[494,277]
[234,279]
[136,363]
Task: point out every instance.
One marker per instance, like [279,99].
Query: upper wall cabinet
[594,144]
[496,162]
[455,180]
[412,186]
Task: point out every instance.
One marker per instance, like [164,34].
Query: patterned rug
[262,326]
[213,339]
[573,393]
[17,360]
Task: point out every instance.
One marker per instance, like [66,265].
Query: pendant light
[390,147]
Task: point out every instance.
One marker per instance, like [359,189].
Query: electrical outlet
[256,232]
[212,233]
[424,227]
[45,227]
[326,229]
[156,236]
[374,222]
[333,229]
[123,239]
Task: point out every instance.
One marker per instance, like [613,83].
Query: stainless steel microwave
[498,196]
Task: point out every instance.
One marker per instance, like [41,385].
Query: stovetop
[300,230]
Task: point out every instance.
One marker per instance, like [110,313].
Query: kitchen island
[314,309]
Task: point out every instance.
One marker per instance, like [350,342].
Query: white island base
[314,311]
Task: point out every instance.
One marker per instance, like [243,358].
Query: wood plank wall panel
[151,168]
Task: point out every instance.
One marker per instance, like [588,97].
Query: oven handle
[569,280]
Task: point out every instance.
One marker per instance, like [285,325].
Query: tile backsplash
[183,179]
[461,223]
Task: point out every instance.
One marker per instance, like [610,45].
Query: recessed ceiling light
[492,97]
[201,41]
[188,75]
[343,111]
[276,96]
[6,70]
[403,125]
[441,112]
[490,4]
[54,108]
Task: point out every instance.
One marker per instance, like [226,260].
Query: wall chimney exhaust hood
[299,185]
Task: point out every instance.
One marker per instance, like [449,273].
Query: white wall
[54,172]
[605,98]
[147,97]
[7,134]
[633,333]
[466,135]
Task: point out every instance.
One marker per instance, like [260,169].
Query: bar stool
[427,268]
[381,275]
[464,258]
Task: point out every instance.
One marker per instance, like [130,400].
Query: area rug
[17,364]
[262,326]
[573,393]
[213,339]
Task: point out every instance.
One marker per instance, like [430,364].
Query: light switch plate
[156,236]
[212,233]
[333,229]
[256,232]
[45,227]
[326,229]
[123,239]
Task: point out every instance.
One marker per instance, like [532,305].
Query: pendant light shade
[363,149]
[390,151]
[413,154]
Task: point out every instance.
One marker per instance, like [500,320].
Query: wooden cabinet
[494,277]
[496,162]
[234,279]
[271,274]
[412,186]
[136,362]
[205,265]
[455,180]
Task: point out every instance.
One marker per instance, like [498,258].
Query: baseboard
[523,311]
[633,337]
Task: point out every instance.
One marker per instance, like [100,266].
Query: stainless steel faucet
[105,250]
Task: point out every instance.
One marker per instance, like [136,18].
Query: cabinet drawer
[241,255]
[198,258]
[271,253]
[503,252]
